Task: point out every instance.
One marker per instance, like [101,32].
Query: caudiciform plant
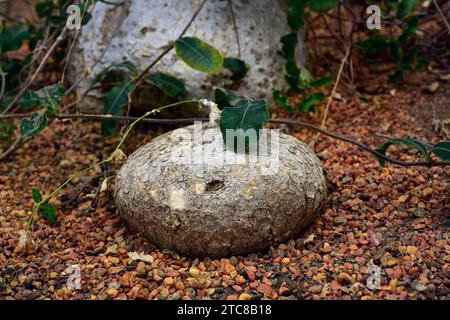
[206,207]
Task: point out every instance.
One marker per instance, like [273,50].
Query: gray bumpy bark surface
[218,210]
[142,29]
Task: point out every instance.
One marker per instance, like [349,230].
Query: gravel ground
[390,220]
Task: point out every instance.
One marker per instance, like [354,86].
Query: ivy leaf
[311,101]
[442,150]
[407,142]
[227,98]
[126,65]
[410,29]
[115,103]
[374,44]
[199,54]
[37,197]
[12,39]
[295,12]
[171,86]
[30,127]
[289,43]
[48,211]
[246,115]
[50,97]
[237,67]
[405,7]
[322,82]
[322,5]
[281,100]
[29,100]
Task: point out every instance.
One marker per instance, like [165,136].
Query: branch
[169,46]
[441,14]
[38,70]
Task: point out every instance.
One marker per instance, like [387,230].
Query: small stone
[250,271]
[403,198]
[345,279]
[194,271]
[140,268]
[112,293]
[285,260]
[114,260]
[326,247]
[168,281]
[427,191]
[244,296]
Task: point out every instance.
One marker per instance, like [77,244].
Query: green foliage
[322,5]
[7,128]
[407,142]
[171,86]
[241,113]
[442,150]
[237,67]
[116,102]
[405,7]
[12,39]
[309,102]
[47,210]
[295,12]
[227,98]
[199,54]
[32,126]
[126,66]
[281,100]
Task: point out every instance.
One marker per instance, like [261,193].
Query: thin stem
[108,159]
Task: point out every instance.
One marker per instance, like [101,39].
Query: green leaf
[295,12]
[310,101]
[442,150]
[29,100]
[50,97]
[322,82]
[171,86]
[237,67]
[115,103]
[12,39]
[305,76]
[292,69]
[30,127]
[48,211]
[293,83]
[289,43]
[199,55]
[37,197]
[245,115]
[405,7]
[395,77]
[281,100]
[322,5]
[6,129]
[374,44]
[124,65]
[407,142]
[227,98]
[410,29]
